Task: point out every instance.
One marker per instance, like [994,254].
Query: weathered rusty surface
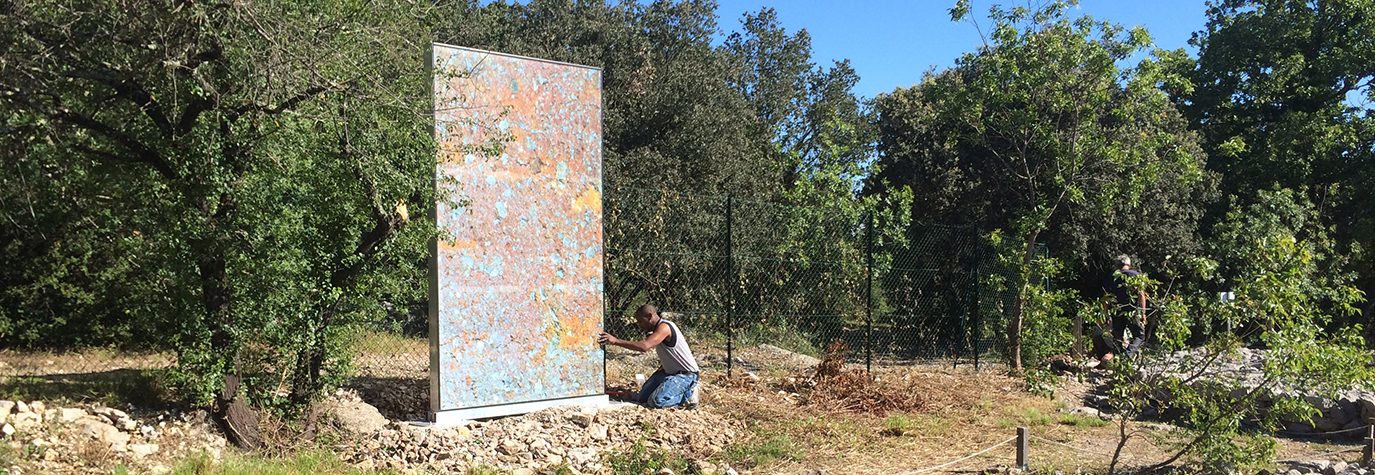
[520,284]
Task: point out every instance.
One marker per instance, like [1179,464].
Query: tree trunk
[1014,322]
[239,422]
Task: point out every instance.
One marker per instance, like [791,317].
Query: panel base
[460,416]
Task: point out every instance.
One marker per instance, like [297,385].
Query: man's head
[1122,262]
[647,317]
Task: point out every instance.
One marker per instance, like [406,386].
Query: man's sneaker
[696,395]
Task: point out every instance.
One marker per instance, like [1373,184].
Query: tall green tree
[810,114]
[1035,125]
[242,168]
[1283,97]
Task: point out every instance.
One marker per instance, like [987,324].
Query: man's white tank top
[674,354]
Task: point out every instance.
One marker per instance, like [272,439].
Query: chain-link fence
[739,274]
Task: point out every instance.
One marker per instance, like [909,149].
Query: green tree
[241,168]
[1281,262]
[810,114]
[1039,122]
[1283,98]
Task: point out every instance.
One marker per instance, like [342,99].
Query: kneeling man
[673,384]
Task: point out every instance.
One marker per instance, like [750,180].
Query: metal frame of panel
[516,293]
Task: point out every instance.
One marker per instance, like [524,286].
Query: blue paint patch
[493,268]
[501,209]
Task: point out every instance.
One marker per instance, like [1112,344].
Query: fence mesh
[738,276]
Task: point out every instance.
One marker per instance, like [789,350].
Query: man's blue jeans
[667,390]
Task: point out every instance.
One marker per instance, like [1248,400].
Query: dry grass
[962,413]
[382,354]
[80,361]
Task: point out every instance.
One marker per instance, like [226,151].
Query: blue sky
[890,43]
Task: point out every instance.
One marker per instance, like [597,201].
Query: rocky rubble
[1321,467]
[576,437]
[1242,372]
[91,438]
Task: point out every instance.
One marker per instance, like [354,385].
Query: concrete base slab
[461,416]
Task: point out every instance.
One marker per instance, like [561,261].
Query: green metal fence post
[869,293]
[730,290]
[969,302]
[979,249]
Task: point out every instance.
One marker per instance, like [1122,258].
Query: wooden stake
[1369,452]
[1022,437]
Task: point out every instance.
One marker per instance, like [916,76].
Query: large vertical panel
[518,289]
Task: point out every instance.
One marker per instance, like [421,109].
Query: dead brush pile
[836,390]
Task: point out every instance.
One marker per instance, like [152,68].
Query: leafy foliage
[1277,259]
[1041,130]
[1283,93]
[232,180]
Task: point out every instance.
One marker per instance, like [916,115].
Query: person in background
[1128,308]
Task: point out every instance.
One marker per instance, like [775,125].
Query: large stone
[583,456]
[1085,412]
[796,359]
[359,417]
[26,420]
[70,414]
[597,432]
[1327,424]
[1367,405]
[584,417]
[1347,410]
[582,420]
[110,412]
[143,450]
[511,447]
[106,433]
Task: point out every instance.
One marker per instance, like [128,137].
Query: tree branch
[142,153]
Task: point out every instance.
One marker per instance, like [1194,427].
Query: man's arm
[642,346]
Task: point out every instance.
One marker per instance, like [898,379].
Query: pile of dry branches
[837,390]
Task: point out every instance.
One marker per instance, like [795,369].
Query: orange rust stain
[579,331]
[459,244]
[591,268]
[588,200]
